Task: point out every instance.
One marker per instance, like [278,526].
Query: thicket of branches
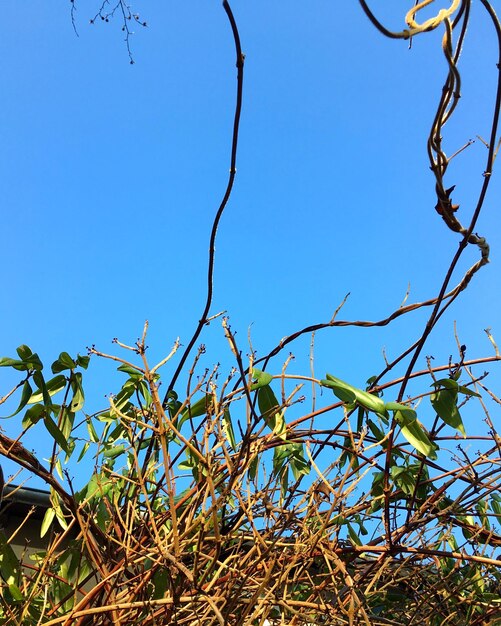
[217,502]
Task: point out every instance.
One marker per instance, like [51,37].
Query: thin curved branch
[222,206]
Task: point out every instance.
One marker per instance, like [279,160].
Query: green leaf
[228,429]
[444,402]
[253,467]
[267,400]
[9,563]
[352,394]
[280,458]
[481,508]
[129,369]
[408,414]
[93,488]
[15,592]
[300,466]
[25,397]
[48,518]
[466,391]
[415,435]
[375,430]
[59,468]
[349,454]
[67,418]
[192,464]
[260,379]
[403,479]
[24,352]
[56,505]
[446,383]
[52,386]
[55,433]
[62,363]
[31,362]
[160,580]
[16,364]
[112,453]
[284,483]
[201,407]
[340,391]
[361,415]
[39,381]
[495,504]
[34,362]
[354,535]
[92,431]
[270,411]
[144,390]
[186,465]
[33,415]
[83,361]
[83,451]
[78,400]
[123,396]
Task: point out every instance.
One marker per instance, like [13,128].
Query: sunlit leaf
[112,453]
[495,504]
[48,518]
[78,399]
[83,361]
[353,535]
[15,363]
[186,465]
[344,394]
[52,386]
[123,396]
[270,411]
[83,451]
[260,379]
[199,408]
[403,479]
[406,413]
[444,402]
[144,390]
[56,433]
[33,415]
[129,369]
[299,463]
[375,430]
[466,391]
[92,431]
[25,397]
[39,381]
[29,360]
[481,508]
[416,436]
[62,363]
[24,352]
[228,429]
[15,592]
[349,394]
[67,418]
[253,467]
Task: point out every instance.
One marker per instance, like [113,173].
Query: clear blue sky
[111,173]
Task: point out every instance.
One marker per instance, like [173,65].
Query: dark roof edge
[26,495]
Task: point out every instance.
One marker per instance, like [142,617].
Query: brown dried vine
[233,505]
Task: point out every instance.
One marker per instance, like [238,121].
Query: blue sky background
[111,173]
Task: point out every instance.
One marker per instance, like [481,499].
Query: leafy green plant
[214,500]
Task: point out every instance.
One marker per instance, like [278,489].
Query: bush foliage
[239,498]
